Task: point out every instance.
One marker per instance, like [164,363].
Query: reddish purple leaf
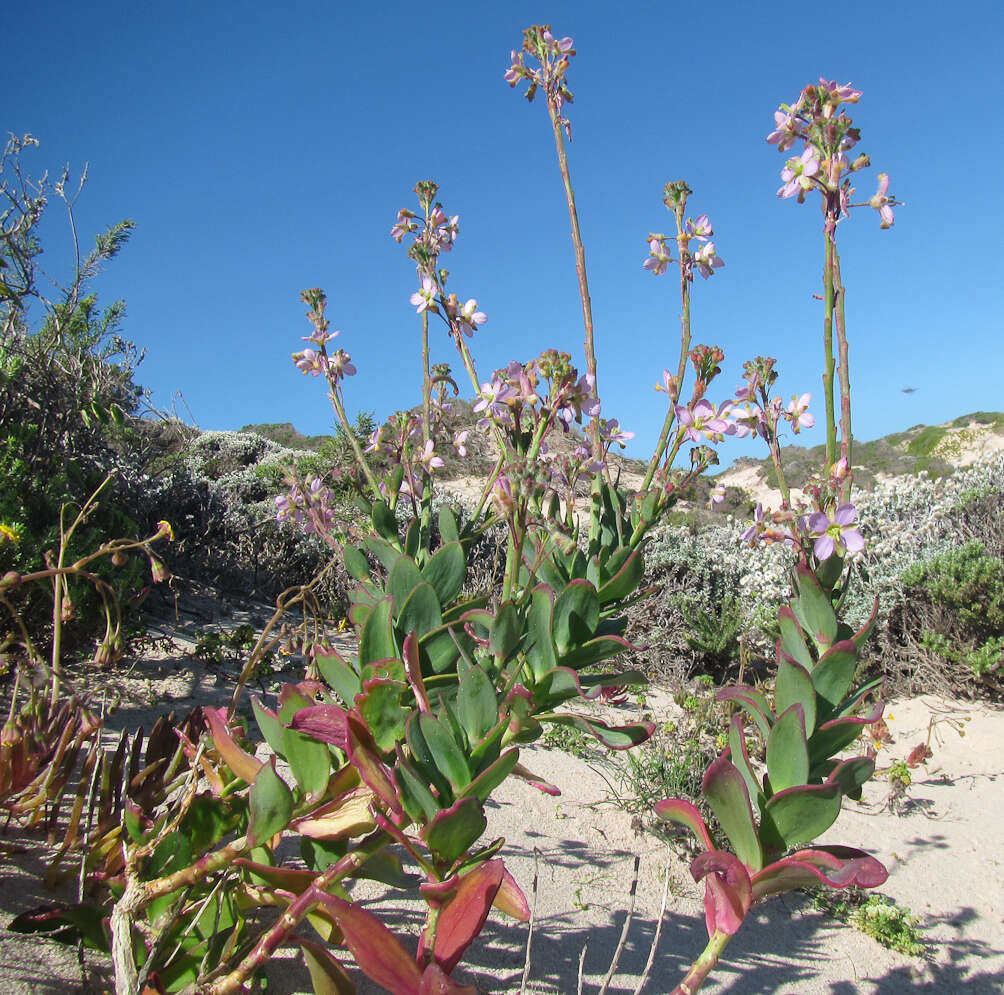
[538,782]
[728,894]
[686,814]
[376,949]
[365,758]
[511,900]
[462,918]
[242,764]
[435,982]
[326,723]
[834,866]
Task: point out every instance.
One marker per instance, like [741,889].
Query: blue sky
[264,148]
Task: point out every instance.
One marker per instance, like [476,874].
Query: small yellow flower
[164,528]
[7,534]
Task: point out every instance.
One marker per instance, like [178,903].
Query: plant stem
[704,965]
[828,363]
[580,269]
[846,440]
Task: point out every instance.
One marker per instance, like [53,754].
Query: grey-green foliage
[711,575]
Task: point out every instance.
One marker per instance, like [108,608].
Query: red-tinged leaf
[324,722]
[413,668]
[612,737]
[326,975]
[753,703]
[435,982]
[346,817]
[726,792]
[685,814]
[242,764]
[364,757]
[728,894]
[837,734]
[290,879]
[455,829]
[463,917]
[833,866]
[377,951]
[511,900]
[538,782]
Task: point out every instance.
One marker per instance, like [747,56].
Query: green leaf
[382,550]
[327,976]
[355,563]
[753,703]
[506,631]
[403,579]
[852,775]
[438,649]
[412,537]
[726,793]
[799,815]
[491,777]
[420,613]
[594,650]
[418,801]
[377,639]
[477,705]
[540,654]
[623,583]
[813,609]
[612,737]
[792,639]
[454,830]
[269,724]
[446,754]
[448,525]
[339,676]
[794,687]
[384,521]
[381,709]
[837,734]
[309,760]
[422,755]
[271,805]
[834,673]
[787,751]
[446,571]
[741,760]
[576,615]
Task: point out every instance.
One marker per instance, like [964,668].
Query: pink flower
[658,257]
[429,458]
[470,317]
[610,431]
[785,130]
[798,413]
[700,229]
[837,535]
[797,172]
[460,442]
[707,260]
[310,362]
[701,420]
[424,299]
[881,202]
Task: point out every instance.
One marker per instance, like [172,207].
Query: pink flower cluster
[817,119]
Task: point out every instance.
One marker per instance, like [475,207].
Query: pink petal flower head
[837,535]
[797,173]
[610,431]
[658,258]
[798,413]
[471,318]
[882,203]
[424,299]
[785,130]
[707,260]
[700,229]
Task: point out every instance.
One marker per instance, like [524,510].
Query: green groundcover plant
[381,761]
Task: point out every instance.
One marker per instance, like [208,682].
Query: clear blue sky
[264,148]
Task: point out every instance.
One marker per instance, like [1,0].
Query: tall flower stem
[682,246]
[580,269]
[828,362]
[846,440]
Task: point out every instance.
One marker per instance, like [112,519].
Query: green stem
[580,270]
[704,965]
[357,450]
[845,376]
[828,362]
[685,333]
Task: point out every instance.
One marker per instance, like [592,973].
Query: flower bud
[66,609]
[159,572]
[10,579]
[119,559]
